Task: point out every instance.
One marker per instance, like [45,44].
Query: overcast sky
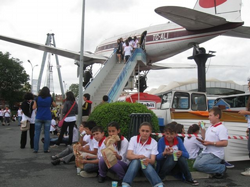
[31,20]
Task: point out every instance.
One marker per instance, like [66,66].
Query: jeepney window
[181,100]
[166,100]
[198,102]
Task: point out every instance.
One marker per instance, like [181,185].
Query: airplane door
[143,40]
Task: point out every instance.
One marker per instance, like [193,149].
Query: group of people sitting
[125,49]
[143,154]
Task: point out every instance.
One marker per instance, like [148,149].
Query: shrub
[120,112]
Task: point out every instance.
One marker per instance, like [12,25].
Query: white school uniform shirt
[127,50]
[193,147]
[19,112]
[92,143]
[53,123]
[216,133]
[147,149]
[6,113]
[101,146]
[123,149]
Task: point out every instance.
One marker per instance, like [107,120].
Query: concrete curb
[195,175]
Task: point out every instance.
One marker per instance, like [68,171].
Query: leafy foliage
[13,79]
[120,112]
[75,89]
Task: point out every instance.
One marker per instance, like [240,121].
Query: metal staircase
[113,77]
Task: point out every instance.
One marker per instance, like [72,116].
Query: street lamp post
[32,68]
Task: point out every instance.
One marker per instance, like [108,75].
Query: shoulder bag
[60,123]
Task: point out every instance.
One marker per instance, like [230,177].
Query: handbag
[25,125]
[60,123]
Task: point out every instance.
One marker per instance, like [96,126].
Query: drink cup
[143,165]
[175,155]
[114,183]
[202,125]
[78,171]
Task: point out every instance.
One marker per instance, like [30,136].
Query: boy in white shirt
[215,139]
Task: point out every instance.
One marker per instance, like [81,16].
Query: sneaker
[246,172]
[228,165]
[220,175]
[56,162]
[87,175]
[101,179]
[54,157]
[54,146]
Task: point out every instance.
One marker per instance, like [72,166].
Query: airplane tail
[228,9]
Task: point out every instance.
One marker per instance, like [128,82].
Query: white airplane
[189,28]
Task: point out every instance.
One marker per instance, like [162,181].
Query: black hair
[97,129]
[146,124]
[105,98]
[90,125]
[70,96]
[117,126]
[87,96]
[28,96]
[192,129]
[45,92]
[170,128]
[179,128]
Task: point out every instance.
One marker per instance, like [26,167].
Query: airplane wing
[242,32]
[161,66]
[89,58]
[189,18]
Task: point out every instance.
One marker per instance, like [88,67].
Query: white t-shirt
[19,112]
[193,146]
[6,113]
[101,146]
[92,143]
[53,123]
[1,112]
[127,50]
[215,134]
[123,149]
[248,120]
[147,149]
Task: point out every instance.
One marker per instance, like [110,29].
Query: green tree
[13,79]
[75,89]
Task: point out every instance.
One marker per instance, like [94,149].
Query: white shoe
[246,172]
[87,175]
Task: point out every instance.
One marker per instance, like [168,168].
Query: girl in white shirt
[121,150]
[192,145]
[142,151]
[127,51]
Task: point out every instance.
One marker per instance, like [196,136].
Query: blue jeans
[209,163]
[149,172]
[19,118]
[90,168]
[168,165]
[38,126]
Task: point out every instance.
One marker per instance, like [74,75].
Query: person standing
[7,114]
[127,51]
[19,115]
[29,114]
[70,120]
[86,107]
[43,118]
[215,139]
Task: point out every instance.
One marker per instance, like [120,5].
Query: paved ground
[23,168]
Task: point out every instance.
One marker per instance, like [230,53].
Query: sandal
[193,182]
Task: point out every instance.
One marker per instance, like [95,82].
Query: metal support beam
[200,57]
